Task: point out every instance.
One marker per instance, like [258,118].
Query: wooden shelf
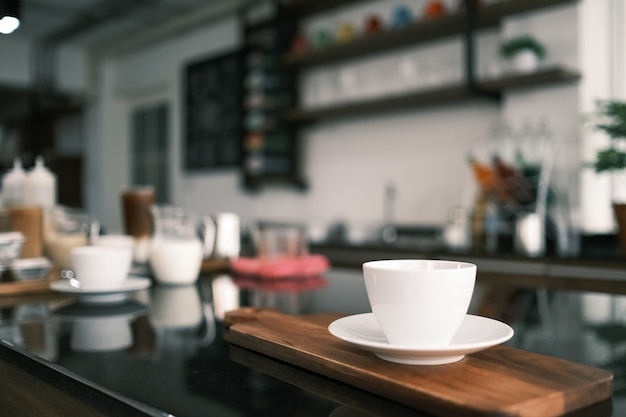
[420,32]
[387,103]
[256,183]
[549,75]
[305,8]
[393,38]
[442,95]
[18,104]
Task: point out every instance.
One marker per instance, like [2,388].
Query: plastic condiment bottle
[13,185]
[40,186]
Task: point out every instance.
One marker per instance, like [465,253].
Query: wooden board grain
[499,381]
[24,287]
[361,403]
[215,265]
[35,286]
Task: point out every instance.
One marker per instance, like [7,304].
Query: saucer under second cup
[102,295]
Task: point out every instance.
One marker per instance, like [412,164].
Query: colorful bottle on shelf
[434,9]
[373,25]
[345,32]
[401,17]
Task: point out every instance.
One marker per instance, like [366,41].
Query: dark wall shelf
[18,104]
[305,8]
[420,32]
[436,96]
[396,38]
[459,23]
[550,75]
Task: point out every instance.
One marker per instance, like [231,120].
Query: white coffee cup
[419,302]
[117,241]
[100,266]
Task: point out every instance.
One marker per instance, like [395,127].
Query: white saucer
[476,333]
[101,295]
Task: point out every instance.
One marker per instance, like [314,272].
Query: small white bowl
[28,269]
[10,246]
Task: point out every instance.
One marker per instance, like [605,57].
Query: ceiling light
[9,16]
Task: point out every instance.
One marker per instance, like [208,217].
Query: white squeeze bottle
[40,186]
[13,185]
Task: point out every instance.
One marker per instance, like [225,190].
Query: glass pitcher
[69,227]
[176,250]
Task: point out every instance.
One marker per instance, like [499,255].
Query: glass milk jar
[176,251]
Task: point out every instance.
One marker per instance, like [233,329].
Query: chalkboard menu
[213,113]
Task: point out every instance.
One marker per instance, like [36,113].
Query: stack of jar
[29,197]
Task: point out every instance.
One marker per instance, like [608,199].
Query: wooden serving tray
[499,381]
[35,286]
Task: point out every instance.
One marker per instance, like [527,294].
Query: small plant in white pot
[523,52]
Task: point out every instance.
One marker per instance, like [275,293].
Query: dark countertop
[599,266]
[174,360]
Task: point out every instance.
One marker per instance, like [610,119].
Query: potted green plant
[610,118]
[523,52]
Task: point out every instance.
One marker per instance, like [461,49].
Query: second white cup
[115,240]
[418,302]
[100,266]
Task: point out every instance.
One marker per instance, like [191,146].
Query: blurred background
[104,91]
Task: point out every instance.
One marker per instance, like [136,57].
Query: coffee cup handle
[208,233]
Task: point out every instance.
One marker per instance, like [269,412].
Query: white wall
[16,70]
[127,80]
